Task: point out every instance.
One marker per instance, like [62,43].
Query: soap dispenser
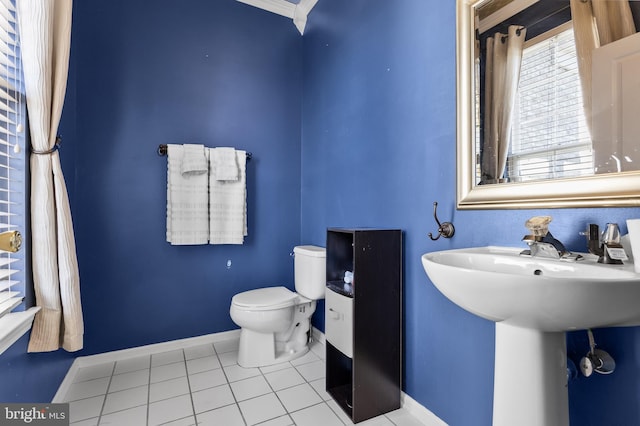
[613,252]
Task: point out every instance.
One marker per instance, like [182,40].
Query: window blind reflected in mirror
[550,138]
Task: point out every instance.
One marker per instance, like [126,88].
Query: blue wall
[378,149]
[351,125]
[219,73]
[215,72]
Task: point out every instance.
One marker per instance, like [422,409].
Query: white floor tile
[235,372]
[298,397]
[228,358]
[321,387]
[337,409]
[275,367]
[167,372]
[87,389]
[282,379]
[129,380]
[132,416]
[312,371]
[199,365]
[319,349]
[305,359]
[88,422]
[125,399]
[262,408]
[169,357]
[85,408]
[168,389]
[403,417]
[212,398]
[378,421]
[169,410]
[132,364]
[318,415]
[94,372]
[250,388]
[227,416]
[207,379]
[186,421]
[280,421]
[193,352]
[226,346]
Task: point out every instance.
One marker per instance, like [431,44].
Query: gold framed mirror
[597,190]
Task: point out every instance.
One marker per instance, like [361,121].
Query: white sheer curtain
[45,32]
[502,74]
[596,23]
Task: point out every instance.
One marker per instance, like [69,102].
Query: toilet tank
[310,271]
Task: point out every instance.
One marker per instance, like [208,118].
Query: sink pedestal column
[530,382]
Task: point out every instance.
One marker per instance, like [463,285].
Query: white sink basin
[533,301]
[498,284]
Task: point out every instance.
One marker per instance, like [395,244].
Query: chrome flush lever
[445,229]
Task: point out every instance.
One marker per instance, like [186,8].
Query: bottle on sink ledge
[606,245]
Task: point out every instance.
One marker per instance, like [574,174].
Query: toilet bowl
[275,322]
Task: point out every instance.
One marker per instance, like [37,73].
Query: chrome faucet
[542,243]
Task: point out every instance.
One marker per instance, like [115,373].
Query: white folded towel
[228,205]
[187,202]
[224,165]
[194,160]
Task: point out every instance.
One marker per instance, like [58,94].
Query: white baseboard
[87,361]
[317,335]
[420,412]
[412,406]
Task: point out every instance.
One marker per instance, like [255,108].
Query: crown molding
[297,12]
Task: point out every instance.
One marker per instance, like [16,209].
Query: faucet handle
[538,225]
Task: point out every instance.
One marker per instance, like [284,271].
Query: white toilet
[275,321]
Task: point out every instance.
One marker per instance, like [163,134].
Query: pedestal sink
[533,301]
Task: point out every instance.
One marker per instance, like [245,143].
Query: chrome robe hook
[445,229]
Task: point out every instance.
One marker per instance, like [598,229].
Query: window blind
[13,319]
[550,138]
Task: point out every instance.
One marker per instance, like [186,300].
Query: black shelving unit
[364,320]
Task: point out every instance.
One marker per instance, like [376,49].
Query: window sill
[14,325]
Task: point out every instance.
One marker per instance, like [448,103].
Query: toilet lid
[265,298]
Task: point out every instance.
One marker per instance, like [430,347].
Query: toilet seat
[263,299]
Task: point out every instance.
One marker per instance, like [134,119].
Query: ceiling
[297,10]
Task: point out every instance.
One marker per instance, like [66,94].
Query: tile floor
[204,385]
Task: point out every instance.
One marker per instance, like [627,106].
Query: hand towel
[228,205]
[187,202]
[224,165]
[194,160]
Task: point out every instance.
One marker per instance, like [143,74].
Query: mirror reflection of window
[477,20]
[550,135]
[550,138]
[501,119]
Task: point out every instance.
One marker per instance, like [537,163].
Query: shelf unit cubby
[363,320]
